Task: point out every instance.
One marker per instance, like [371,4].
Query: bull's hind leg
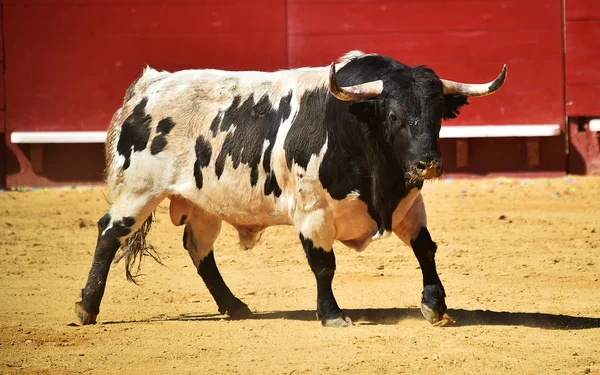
[413,231]
[125,217]
[201,231]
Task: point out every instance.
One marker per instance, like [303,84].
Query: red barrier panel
[461,40]
[582,10]
[2,123]
[71,62]
[582,60]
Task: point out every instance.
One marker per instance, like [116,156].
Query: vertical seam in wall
[3,55]
[563,14]
[3,88]
[287,37]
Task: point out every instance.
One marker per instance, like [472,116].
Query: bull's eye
[395,122]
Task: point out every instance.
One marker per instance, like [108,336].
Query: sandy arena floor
[519,260]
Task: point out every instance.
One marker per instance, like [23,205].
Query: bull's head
[407,105]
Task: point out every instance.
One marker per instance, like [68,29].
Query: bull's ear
[452,105]
[364,110]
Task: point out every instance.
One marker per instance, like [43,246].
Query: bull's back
[215,138]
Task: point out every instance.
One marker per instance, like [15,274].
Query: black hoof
[236,309]
[433,305]
[83,316]
[339,320]
[430,314]
[243,312]
[436,318]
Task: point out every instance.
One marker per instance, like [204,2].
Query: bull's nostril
[427,169]
[421,166]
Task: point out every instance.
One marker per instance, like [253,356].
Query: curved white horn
[366,90]
[470,89]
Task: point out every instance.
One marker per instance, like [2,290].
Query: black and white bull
[339,156]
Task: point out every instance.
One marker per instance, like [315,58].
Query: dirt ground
[519,260]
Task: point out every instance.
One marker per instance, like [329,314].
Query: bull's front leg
[412,230]
[314,222]
[322,264]
[433,300]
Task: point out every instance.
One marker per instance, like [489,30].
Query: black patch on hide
[135,132]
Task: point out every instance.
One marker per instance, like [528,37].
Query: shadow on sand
[395,315]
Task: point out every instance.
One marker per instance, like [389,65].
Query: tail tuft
[135,249]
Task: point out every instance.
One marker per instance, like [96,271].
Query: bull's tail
[135,249]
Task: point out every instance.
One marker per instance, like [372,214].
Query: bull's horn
[366,90]
[469,89]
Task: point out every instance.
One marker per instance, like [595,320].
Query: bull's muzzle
[426,170]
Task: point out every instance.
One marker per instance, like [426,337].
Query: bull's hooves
[84,317]
[242,312]
[436,318]
[341,321]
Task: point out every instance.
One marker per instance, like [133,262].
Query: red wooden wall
[2,108]
[3,152]
[461,40]
[582,71]
[68,63]
[582,63]
[71,61]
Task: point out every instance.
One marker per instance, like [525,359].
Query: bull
[339,155]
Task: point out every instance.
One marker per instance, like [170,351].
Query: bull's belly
[250,212]
[252,209]
[250,215]
[233,198]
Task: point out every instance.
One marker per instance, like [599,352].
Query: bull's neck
[359,159]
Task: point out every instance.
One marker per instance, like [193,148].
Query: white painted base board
[475,131]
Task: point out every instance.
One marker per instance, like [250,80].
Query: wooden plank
[533,151]
[526,98]
[461,40]
[181,42]
[532,93]
[583,38]
[584,150]
[1,87]
[383,16]
[243,52]
[582,70]
[422,47]
[582,100]
[36,155]
[462,153]
[92,67]
[582,9]
[433,3]
[582,57]
[164,3]
[3,160]
[34,104]
[185,20]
